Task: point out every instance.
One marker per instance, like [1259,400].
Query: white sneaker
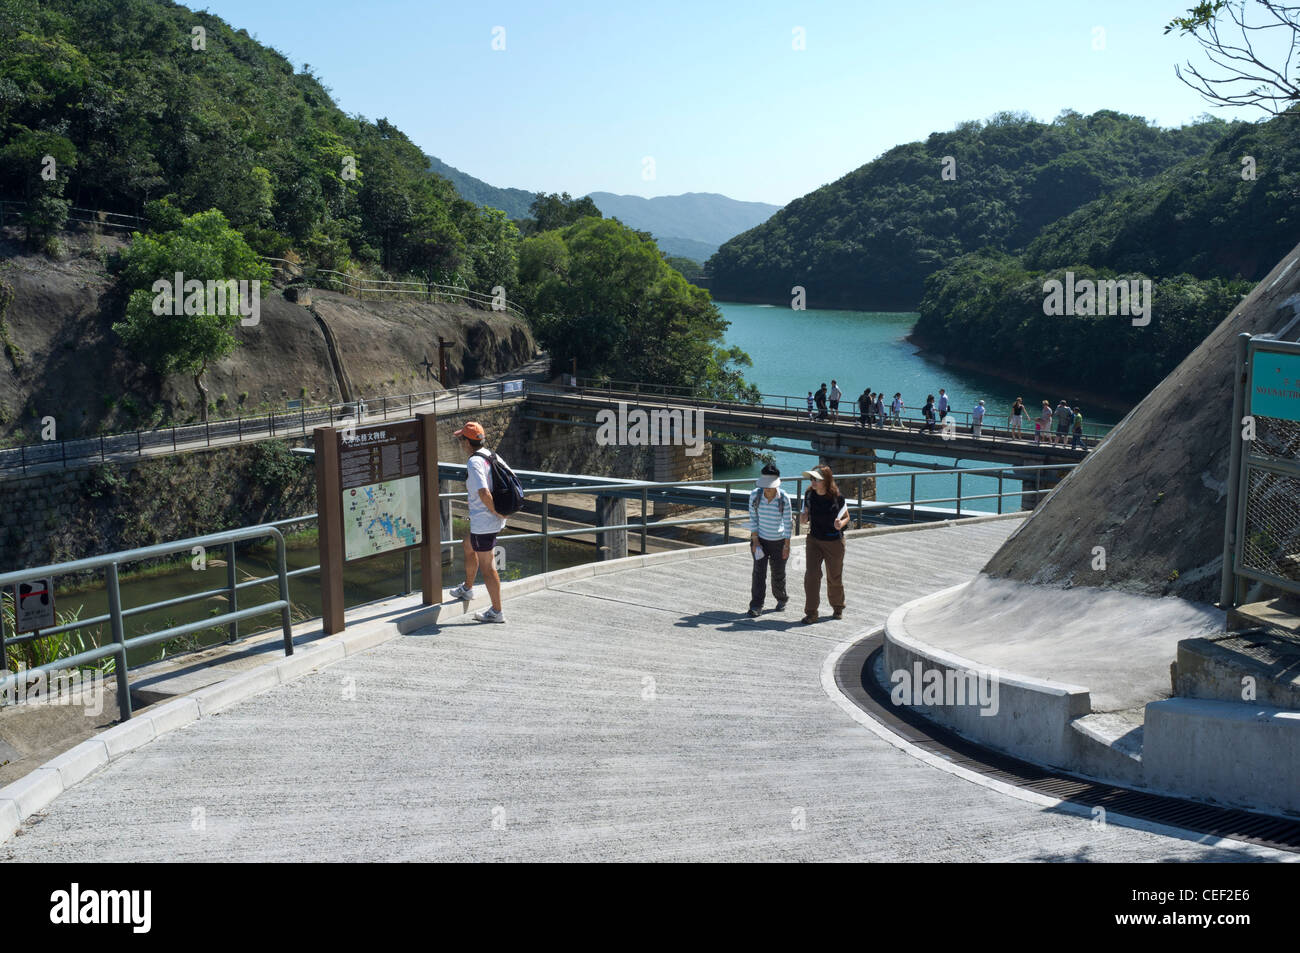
[489,615]
[460,592]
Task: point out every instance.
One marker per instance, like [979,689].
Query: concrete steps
[1108,744]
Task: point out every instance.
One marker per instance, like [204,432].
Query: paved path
[545,739]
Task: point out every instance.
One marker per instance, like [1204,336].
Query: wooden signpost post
[376,493]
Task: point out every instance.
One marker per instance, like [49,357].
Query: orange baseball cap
[472,429]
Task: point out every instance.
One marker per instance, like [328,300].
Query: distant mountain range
[692,225]
[514,202]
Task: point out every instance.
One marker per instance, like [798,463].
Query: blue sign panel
[1275,385]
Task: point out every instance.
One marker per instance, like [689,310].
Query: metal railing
[715,494]
[431,291]
[10,209]
[121,645]
[796,408]
[81,451]
[700,494]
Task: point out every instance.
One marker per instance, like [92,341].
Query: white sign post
[34,605]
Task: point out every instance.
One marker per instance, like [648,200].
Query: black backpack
[507,491]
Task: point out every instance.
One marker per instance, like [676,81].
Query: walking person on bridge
[943,404]
[864,408]
[836,394]
[1063,416]
[821,401]
[1017,414]
[810,405]
[1077,442]
[928,412]
[1043,424]
[769,539]
[896,409]
[828,514]
[878,409]
[977,419]
[484,523]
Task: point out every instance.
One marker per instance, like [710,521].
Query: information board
[1275,385]
[379,475]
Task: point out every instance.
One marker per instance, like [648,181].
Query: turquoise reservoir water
[795,351]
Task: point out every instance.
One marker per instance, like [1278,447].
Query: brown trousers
[832,551]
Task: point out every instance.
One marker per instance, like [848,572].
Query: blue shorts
[482,542]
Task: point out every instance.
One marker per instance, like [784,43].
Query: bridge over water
[783,417]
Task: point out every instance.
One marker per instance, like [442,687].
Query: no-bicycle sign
[34,605]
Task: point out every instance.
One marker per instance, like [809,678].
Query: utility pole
[443,347]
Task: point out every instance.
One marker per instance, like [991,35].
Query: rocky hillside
[62,359]
[1154,494]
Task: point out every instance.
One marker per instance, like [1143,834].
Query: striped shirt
[769,519]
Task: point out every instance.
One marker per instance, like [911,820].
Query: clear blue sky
[713,91]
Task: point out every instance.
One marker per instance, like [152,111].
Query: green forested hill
[135,104]
[514,202]
[1212,216]
[1201,232]
[870,239]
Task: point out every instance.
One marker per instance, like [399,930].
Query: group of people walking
[770,529]
[1060,426]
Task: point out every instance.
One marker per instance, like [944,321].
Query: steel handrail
[120,645]
[790,404]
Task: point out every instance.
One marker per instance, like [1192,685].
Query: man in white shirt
[836,394]
[977,419]
[484,523]
[942,406]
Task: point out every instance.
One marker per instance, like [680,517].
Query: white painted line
[851,708]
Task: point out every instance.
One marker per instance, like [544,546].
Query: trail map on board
[382,516]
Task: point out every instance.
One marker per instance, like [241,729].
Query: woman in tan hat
[828,514]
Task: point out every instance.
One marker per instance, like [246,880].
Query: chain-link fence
[1270,536]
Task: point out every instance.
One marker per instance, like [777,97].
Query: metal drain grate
[853,676]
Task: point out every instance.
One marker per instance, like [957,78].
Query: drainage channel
[853,676]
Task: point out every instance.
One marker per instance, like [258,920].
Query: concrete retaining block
[223,694]
[1027,717]
[8,819]
[173,715]
[304,660]
[618,565]
[128,736]
[561,576]
[421,617]
[521,587]
[1246,755]
[76,763]
[33,792]
[651,560]
[364,638]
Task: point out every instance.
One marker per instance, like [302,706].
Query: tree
[186,335]
[1248,80]
[557,211]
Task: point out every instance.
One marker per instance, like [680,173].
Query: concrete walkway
[634,715]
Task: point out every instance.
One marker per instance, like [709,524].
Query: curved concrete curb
[1030,717]
[849,707]
[36,790]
